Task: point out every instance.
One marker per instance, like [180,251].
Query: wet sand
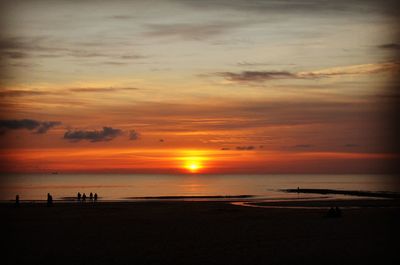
[179,232]
[376,194]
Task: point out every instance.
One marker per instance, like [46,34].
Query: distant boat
[54,173]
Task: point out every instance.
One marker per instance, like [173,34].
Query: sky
[191,86]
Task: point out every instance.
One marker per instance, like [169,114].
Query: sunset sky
[197,86]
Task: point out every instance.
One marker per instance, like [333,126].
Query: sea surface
[127,186]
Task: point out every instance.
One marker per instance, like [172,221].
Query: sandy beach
[178,232]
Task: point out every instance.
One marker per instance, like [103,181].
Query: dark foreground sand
[199,233]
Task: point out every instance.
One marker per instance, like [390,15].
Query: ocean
[128,186]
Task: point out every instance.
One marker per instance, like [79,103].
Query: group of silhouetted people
[334,212]
[82,198]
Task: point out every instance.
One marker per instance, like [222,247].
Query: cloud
[262,76]
[255,76]
[252,64]
[390,46]
[388,96]
[48,47]
[27,92]
[131,56]
[133,135]
[122,17]
[46,125]
[107,134]
[21,93]
[101,89]
[303,146]
[359,69]
[40,127]
[14,54]
[245,148]
[190,31]
[304,8]
[21,47]
[351,145]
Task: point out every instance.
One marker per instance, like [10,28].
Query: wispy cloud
[14,54]
[40,127]
[45,47]
[359,69]
[253,64]
[255,76]
[351,145]
[390,46]
[190,31]
[262,76]
[309,7]
[106,134]
[35,92]
[101,89]
[133,135]
[245,148]
[301,146]
[23,92]
[122,17]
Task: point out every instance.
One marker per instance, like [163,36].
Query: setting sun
[193,166]
[193,161]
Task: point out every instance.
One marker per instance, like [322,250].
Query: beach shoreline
[358,193]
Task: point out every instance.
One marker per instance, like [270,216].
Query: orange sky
[219,88]
[122,160]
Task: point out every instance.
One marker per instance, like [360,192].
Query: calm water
[117,186]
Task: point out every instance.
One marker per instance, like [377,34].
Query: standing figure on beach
[17,200]
[79,196]
[49,200]
[95,197]
[334,212]
[83,197]
[91,196]
[331,212]
[338,212]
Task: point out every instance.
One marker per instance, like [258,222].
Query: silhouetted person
[338,212]
[79,196]
[83,197]
[91,196]
[334,212]
[49,200]
[95,197]
[17,200]
[331,212]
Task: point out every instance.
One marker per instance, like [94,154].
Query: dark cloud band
[28,124]
[106,134]
[255,76]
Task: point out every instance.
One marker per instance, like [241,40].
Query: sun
[193,161]
[193,166]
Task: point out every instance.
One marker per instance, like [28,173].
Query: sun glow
[193,164]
